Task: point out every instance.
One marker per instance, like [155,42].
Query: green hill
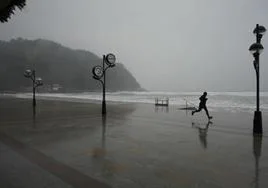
[56,64]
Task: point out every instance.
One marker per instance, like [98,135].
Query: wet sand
[138,145]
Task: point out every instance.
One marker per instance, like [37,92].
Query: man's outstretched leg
[198,110]
[209,117]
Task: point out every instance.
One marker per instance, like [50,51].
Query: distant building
[56,87]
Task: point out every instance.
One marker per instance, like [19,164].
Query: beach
[135,145]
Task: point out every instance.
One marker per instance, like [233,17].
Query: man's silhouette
[202,105]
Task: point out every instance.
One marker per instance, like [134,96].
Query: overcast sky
[168,45]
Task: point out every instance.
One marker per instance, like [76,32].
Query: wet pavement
[17,171]
[134,146]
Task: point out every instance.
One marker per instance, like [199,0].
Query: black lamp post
[257,147]
[108,61]
[256,50]
[36,82]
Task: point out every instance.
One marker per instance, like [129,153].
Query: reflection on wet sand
[100,152]
[158,109]
[202,133]
[257,147]
[34,117]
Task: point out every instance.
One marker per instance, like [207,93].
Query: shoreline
[232,104]
[21,108]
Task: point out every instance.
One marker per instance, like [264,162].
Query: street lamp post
[36,82]
[256,50]
[257,149]
[99,73]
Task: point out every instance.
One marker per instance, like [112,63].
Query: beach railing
[161,101]
[188,106]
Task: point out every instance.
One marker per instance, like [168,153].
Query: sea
[217,101]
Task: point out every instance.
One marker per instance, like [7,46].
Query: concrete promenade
[69,144]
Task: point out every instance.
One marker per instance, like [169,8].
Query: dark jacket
[203,100]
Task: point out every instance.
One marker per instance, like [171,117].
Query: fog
[170,45]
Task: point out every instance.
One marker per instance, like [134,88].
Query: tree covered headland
[57,65]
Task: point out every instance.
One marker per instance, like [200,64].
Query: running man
[202,105]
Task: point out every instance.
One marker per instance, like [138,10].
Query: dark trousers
[202,107]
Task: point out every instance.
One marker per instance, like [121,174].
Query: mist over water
[167,45]
[217,101]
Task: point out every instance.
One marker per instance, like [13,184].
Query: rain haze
[170,45]
[147,121]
